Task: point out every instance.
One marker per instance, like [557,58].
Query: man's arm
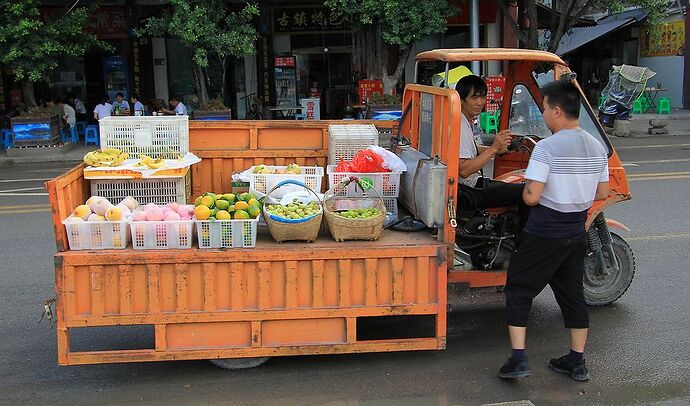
[531,194]
[470,166]
[602,191]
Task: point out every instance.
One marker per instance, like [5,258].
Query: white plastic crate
[157,235]
[226,233]
[386,183]
[261,184]
[97,235]
[166,136]
[391,204]
[345,140]
[153,190]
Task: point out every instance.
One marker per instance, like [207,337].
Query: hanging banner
[665,39]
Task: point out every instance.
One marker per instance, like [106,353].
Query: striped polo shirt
[570,163]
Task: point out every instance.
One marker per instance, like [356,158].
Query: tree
[208,28]
[565,13]
[32,44]
[399,23]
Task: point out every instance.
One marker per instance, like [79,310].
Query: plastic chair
[91,135]
[664,106]
[73,135]
[637,106]
[81,128]
[602,100]
[484,119]
[7,138]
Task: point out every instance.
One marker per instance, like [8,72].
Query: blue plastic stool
[664,106]
[70,135]
[91,135]
[6,138]
[81,128]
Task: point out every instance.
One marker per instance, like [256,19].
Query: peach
[82,211]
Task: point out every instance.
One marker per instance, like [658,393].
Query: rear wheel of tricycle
[601,289]
[239,363]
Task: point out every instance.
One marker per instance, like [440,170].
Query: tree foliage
[208,28]
[398,22]
[566,13]
[31,44]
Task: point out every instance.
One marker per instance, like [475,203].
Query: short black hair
[134,96]
[119,94]
[175,98]
[471,84]
[563,94]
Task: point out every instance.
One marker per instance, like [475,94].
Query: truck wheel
[239,363]
[603,289]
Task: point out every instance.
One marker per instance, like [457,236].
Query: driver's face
[473,104]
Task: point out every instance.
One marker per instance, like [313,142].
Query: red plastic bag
[344,166]
[367,160]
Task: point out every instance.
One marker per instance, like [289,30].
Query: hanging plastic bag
[391,161]
[344,166]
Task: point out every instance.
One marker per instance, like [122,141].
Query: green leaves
[208,27]
[32,43]
[402,21]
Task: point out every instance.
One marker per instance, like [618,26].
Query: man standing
[78,105]
[482,192]
[68,113]
[565,174]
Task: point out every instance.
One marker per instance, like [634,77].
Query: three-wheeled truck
[241,306]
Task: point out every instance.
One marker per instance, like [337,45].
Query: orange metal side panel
[277,333]
[208,335]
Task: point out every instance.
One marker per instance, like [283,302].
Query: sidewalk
[678,124]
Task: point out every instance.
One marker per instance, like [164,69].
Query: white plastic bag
[390,160]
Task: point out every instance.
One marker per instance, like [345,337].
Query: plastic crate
[226,233]
[157,235]
[391,204]
[154,190]
[386,183]
[97,235]
[261,184]
[154,136]
[345,140]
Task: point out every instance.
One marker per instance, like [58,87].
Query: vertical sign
[311,108]
[426,116]
[494,94]
[367,89]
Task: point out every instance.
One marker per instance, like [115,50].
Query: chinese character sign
[666,39]
[303,19]
[494,93]
[311,108]
[368,88]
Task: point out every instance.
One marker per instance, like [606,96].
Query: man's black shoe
[576,371]
[514,369]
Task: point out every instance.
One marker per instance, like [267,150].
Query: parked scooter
[626,84]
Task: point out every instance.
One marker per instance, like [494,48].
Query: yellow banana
[155,163]
[111,151]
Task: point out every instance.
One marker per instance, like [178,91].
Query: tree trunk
[389,81]
[532,31]
[200,79]
[28,93]
[223,91]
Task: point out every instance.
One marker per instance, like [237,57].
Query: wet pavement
[637,353]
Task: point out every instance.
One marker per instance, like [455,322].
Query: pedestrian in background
[566,173]
[104,109]
[78,105]
[137,106]
[178,108]
[68,113]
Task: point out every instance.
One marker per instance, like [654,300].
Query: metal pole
[474,32]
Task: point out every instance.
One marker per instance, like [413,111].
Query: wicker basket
[342,228]
[281,229]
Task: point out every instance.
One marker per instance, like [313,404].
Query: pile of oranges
[211,206]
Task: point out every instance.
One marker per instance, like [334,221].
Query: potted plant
[213,110]
[387,105]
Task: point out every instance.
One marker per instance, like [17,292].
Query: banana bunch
[105,157]
[145,160]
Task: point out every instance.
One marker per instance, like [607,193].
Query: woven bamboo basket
[282,229]
[343,228]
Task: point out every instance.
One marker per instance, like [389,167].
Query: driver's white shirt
[468,149]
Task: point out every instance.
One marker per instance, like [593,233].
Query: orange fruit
[202,212]
[254,202]
[223,215]
[241,205]
[254,211]
[241,214]
[208,201]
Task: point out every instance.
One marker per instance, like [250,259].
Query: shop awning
[580,36]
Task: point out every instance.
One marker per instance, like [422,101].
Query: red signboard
[495,91]
[284,61]
[367,89]
[105,22]
[487,12]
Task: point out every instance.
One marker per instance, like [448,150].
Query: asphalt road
[638,350]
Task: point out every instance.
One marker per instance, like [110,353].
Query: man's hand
[501,141]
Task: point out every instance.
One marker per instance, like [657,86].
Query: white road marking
[23,194]
[658,236]
[24,180]
[629,164]
[21,189]
[660,161]
[651,146]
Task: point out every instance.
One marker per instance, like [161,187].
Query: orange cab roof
[487,54]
